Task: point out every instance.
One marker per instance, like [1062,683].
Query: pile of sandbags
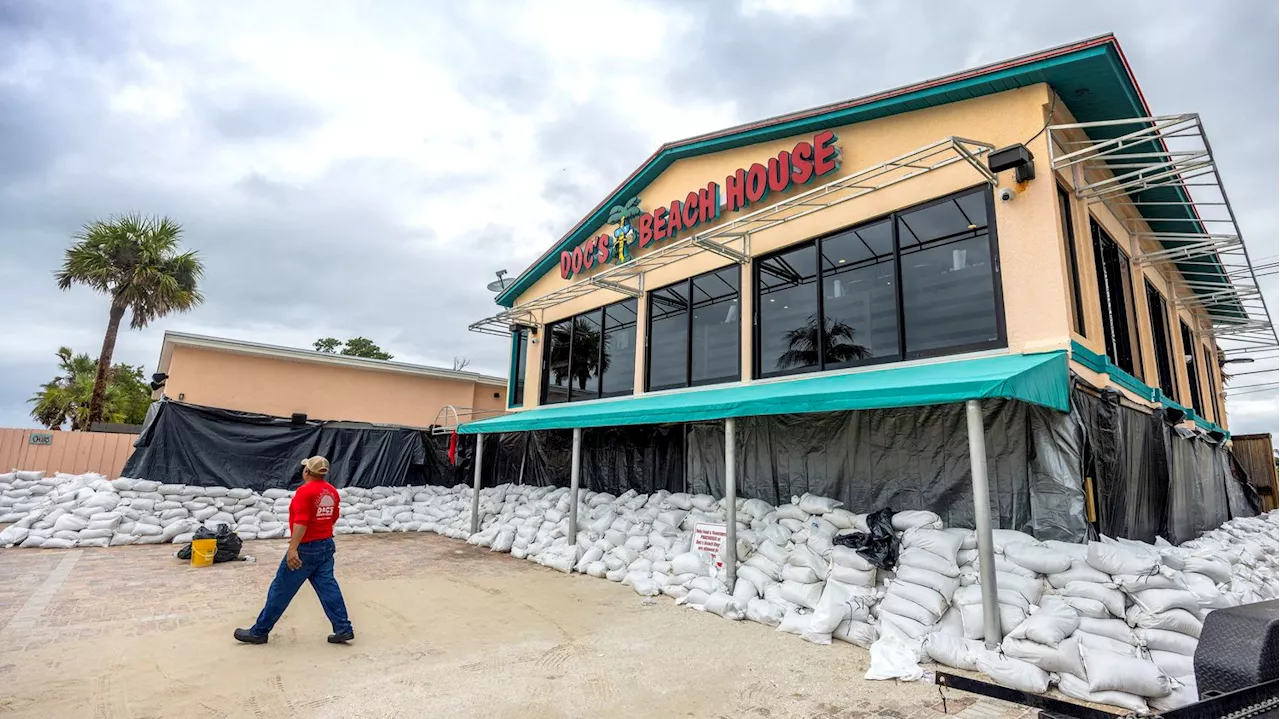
[925,581]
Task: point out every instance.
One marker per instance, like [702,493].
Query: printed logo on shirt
[325,507]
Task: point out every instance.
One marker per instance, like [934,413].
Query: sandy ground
[443,629]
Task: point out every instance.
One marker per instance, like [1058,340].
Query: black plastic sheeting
[206,446]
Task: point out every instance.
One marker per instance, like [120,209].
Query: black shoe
[342,638]
[244,635]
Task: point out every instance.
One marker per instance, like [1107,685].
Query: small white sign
[709,538]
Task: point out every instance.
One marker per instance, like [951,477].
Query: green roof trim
[1039,379]
[1090,76]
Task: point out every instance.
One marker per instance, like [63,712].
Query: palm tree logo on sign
[625,236]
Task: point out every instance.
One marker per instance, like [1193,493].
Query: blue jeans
[317,566]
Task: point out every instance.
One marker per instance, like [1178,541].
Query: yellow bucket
[202,551]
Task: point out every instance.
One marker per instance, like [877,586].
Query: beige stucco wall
[1034,270]
[281,387]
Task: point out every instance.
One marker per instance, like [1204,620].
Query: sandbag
[903,607]
[1012,672]
[1217,569]
[762,563]
[1053,623]
[1164,640]
[943,544]
[913,518]
[1155,601]
[956,652]
[940,583]
[804,595]
[1078,688]
[934,602]
[1107,594]
[1107,671]
[1115,629]
[849,575]
[1002,539]
[803,556]
[1037,557]
[802,575]
[1174,664]
[928,560]
[813,504]
[852,631]
[795,621]
[764,612]
[894,658]
[1117,559]
[844,519]
[1062,658]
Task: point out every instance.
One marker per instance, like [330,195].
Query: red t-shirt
[315,505]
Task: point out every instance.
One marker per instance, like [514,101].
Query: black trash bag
[229,544]
[880,546]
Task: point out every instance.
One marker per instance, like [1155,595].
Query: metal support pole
[575,477]
[982,525]
[730,502]
[475,487]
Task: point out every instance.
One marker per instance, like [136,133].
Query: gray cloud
[343,249]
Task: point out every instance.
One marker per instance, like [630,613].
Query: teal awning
[1037,379]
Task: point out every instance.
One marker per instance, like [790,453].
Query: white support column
[730,502]
[575,473]
[475,487]
[982,525]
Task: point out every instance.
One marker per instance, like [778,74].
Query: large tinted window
[859,295]
[669,337]
[694,331]
[1073,264]
[591,355]
[1193,374]
[787,308]
[948,288]
[1214,397]
[1115,293]
[923,281]
[619,373]
[1161,339]
[519,361]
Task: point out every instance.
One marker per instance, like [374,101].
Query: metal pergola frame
[1173,152]
[732,239]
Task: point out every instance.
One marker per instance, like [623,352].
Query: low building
[1016,243]
[283,381]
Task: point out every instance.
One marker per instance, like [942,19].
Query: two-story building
[837,283]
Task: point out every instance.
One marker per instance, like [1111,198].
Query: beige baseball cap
[316,465]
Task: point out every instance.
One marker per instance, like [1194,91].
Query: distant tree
[66,398]
[354,347]
[137,262]
[460,363]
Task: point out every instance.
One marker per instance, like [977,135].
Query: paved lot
[443,630]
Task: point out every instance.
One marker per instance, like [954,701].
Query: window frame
[1210,385]
[1066,214]
[688,335]
[519,352]
[1189,346]
[1129,300]
[1167,366]
[902,355]
[601,318]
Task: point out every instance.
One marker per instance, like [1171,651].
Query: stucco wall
[281,387]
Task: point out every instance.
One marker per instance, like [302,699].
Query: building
[283,381]
[1026,239]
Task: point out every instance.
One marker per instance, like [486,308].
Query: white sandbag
[894,658]
[1163,640]
[773,551]
[813,504]
[1077,552]
[844,519]
[795,621]
[69,523]
[972,594]
[803,575]
[1215,568]
[849,575]
[1002,539]
[94,542]
[1012,672]
[1037,557]
[968,538]
[940,583]
[1062,658]
[765,565]
[1116,629]
[744,592]
[863,634]
[912,518]
[804,595]
[120,540]
[955,652]
[13,535]
[689,563]
[903,607]
[928,560]
[1106,644]
[944,544]
[803,556]
[1078,688]
[1088,607]
[56,543]
[833,608]
[764,612]
[1113,672]
[103,533]
[935,603]
[1154,601]
[849,557]
[1032,589]
[726,606]
[1181,696]
[756,508]
[1163,578]
[1051,624]
[1107,594]
[1174,664]
[1119,559]
[951,623]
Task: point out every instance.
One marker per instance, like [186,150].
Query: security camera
[1006,194]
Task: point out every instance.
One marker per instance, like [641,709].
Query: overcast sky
[364,168]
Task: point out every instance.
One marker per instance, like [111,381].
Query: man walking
[312,514]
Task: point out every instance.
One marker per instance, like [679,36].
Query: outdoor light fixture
[298,418]
[1013,157]
[158,380]
[517,327]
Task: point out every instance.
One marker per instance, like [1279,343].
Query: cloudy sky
[364,168]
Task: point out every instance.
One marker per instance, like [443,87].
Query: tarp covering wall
[206,446]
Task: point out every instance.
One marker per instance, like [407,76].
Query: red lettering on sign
[577,259]
[709,203]
[735,187]
[589,253]
[824,153]
[660,224]
[802,163]
[644,227]
[691,210]
[603,247]
[780,172]
[757,182]
[675,219]
[566,265]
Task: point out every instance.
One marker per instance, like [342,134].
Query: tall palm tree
[802,344]
[135,261]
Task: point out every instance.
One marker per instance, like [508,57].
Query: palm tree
[67,396]
[586,362]
[134,260]
[802,344]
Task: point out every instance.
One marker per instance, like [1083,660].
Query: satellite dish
[501,283]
